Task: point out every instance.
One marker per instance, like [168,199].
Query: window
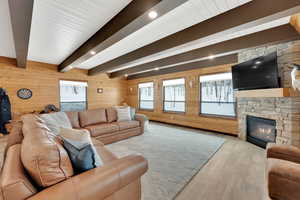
[73,95]
[174,95]
[217,97]
[146,96]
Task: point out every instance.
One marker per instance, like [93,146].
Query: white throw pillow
[56,120]
[124,114]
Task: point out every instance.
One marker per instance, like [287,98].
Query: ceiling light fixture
[157,68]
[153,14]
[211,57]
[93,52]
[258,62]
[126,75]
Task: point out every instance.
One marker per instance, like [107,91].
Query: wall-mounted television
[258,73]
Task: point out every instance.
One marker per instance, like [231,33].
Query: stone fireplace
[284,111]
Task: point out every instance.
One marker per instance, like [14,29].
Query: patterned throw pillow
[124,114]
[82,152]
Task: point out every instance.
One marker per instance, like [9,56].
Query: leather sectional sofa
[102,124]
[37,167]
[283,172]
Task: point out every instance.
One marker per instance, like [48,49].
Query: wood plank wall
[43,80]
[191,118]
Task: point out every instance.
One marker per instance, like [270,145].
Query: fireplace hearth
[261,131]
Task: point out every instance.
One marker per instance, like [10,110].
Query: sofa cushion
[74,118]
[14,182]
[128,124]
[42,155]
[101,129]
[91,117]
[112,115]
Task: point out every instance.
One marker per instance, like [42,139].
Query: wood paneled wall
[191,117]
[43,80]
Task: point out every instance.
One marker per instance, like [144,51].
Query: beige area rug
[175,155]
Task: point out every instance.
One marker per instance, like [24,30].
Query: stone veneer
[285,110]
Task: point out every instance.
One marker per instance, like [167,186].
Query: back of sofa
[15,183]
[81,119]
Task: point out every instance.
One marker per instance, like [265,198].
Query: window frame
[163,97]
[214,115]
[139,97]
[86,92]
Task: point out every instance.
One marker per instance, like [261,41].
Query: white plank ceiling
[7,46]
[59,27]
[190,13]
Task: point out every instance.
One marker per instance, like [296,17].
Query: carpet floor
[175,155]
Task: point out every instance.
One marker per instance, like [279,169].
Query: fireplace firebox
[261,131]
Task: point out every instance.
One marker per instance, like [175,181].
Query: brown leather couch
[36,167]
[102,124]
[283,172]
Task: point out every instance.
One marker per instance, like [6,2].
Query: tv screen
[258,73]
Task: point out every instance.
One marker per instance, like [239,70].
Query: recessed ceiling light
[93,52]
[126,75]
[211,57]
[153,14]
[258,62]
[157,68]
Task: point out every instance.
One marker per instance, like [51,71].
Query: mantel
[274,92]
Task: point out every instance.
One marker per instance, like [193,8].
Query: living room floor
[235,172]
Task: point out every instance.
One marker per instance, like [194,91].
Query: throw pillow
[55,121]
[132,113]
[81,150]
[123,114]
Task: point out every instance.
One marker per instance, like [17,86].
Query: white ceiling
[59,27]
[184,16]
[207,41]
[7,47]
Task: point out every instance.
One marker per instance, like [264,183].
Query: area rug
[175,155]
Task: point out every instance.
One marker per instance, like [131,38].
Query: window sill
[146,110]
[173,112]
[233,118]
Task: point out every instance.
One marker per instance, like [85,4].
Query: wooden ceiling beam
[229,59]
[295,22]
[276,35]
[246,16]
[132,18]
[21,16]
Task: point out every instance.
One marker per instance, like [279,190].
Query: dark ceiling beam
[276,35]
[21,16]
[132,18]
[229,59]
[241,18]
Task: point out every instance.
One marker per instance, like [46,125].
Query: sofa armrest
[98,183]
[142,119]
[283,179]
[284,152]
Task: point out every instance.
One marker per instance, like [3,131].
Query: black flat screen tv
[258,73]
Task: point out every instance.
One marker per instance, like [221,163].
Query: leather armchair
[283,172]
[115,180]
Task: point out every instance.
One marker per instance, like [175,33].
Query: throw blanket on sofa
[57,120]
